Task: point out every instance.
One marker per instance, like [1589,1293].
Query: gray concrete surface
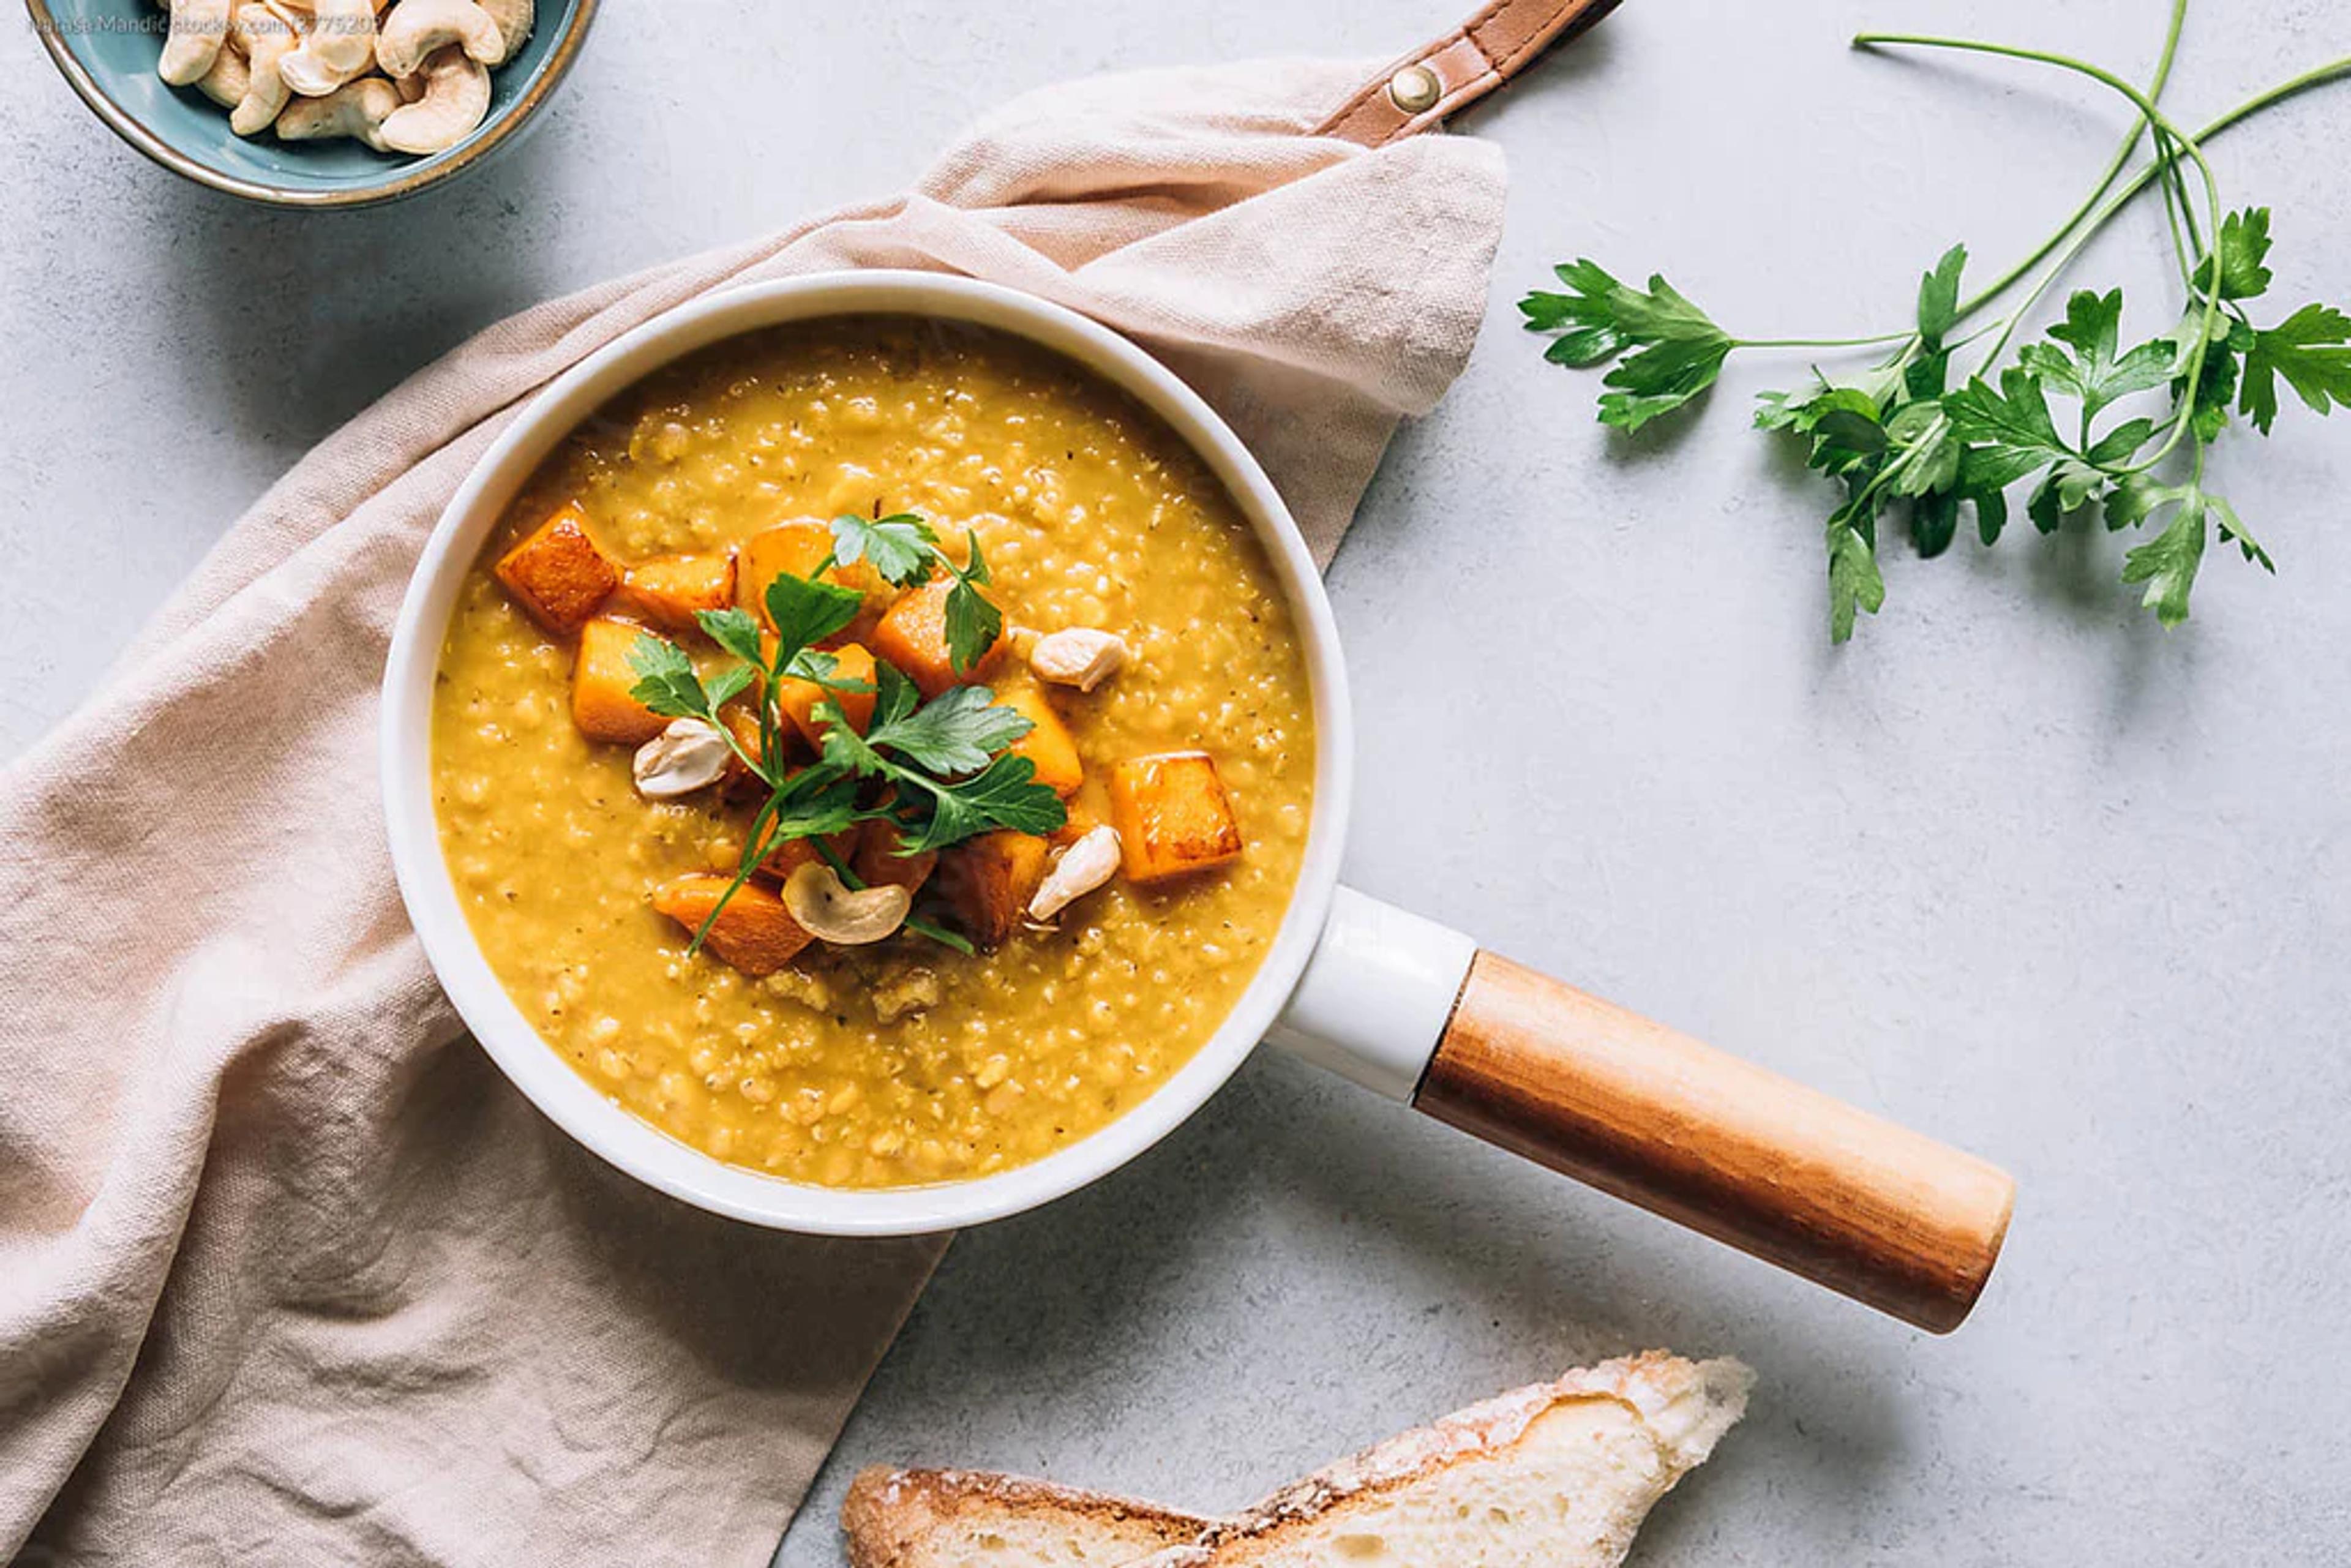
[2013,866]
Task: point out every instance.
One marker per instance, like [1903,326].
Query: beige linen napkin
[289,1274]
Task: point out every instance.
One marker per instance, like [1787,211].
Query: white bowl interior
[575,1105]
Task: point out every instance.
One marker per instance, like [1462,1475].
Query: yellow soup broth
[903,1062]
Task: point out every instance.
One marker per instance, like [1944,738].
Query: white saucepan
[1402,1006]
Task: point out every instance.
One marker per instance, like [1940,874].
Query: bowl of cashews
[314,103]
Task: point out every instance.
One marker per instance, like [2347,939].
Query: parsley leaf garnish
[733,630]
[2312,349]
[940,770]
[2168,563]
[667,682]
[1902,435]
[2093,373]
[1938,296]
[973,621]
[1006,794]
[951,777]
[1676,352]
[956,732]
[901,547]
[822,669]
[2010,426]
[905,550]
[812,803]
[1854,582]
[2244,246]
[806,612]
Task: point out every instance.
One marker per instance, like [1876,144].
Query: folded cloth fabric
[288,1272]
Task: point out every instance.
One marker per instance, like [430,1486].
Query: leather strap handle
[1444,77]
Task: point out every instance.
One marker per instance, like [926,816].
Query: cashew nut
[267,38]
[514,19]
[338,47]
[253,56]
[226,82]
[830,913]
[691,754]
[199,32]
[357,110]
[1084,867]
[457,98]
[414,29]
[1079,657]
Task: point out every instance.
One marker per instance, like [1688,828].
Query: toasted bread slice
[1559,1474]
[959,1518]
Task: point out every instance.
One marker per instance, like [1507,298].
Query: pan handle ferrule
[1376,996]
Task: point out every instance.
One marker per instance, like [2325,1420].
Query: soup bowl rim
[594,1120]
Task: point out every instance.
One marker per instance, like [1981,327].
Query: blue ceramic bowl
[108,50]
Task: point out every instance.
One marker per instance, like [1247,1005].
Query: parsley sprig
[950,774]
[940,771]
[1915,434]
[905,551]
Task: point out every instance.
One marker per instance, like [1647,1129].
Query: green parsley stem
[938,933]
[2178,183]
[756,849]
[1822,343]
[758,768]
[2115,167]
[2333,71]
[849,879]
[2007,280]
[2145,104]
[2163,126]
[2164,166]
[2319,75]
[2175,204]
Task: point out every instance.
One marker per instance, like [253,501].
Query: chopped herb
[939,770]
[905,550]
[1675,355]
[901,547]
[951,776]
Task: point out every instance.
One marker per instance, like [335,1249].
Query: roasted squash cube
[670,589]
[798,699]
[793,853]
[754,932]
[601,679]
[1172,815]
[558,574]
[913,635]
[989,881]
[800,548]
[878,862]
[1047,743]
[1075,826]
[797,548]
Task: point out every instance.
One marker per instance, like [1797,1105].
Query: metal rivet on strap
[1414,89]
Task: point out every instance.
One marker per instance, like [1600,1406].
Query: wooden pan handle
[1884,1214]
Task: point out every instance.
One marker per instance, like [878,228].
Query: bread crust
[892,1515]
[898,1518]
[1684,1408]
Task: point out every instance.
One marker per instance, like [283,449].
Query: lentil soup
[903,1060]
